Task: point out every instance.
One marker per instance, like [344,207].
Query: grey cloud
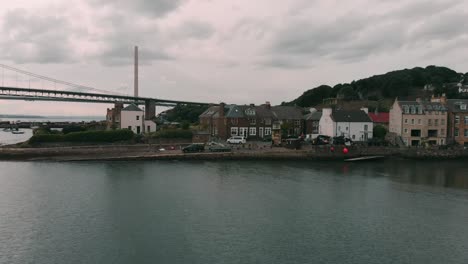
[152,8]
[354,37]
[34,38]
[194,29]
[444,27]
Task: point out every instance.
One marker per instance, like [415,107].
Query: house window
[406,121]
[413,110]
[412,121]
[137,117]
[297,122]
[253,131]
[442,122]
[253,121]
[260,131]
[234,121]
[243,131]
[267,131]
[466,132]
[234,131]
[419,121]
[366,127]
[419,110]
[406,131]
[457,119]
[129,127]
[110,118]
[268,121]
[457,132]
[406,109]
[148,129]
[436,122]
[463,107]
[442,132]
[315,127]
[354,137]
[466,119]
[429,122]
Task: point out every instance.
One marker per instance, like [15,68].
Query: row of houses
[258,122]
[438,121]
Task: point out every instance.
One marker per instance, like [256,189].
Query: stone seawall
[152,152]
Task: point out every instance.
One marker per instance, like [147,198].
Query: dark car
[194,148]
[217,147]
[321,140]
[341,140]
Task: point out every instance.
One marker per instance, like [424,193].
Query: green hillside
[401,83]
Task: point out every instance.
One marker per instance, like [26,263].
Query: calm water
[233,212]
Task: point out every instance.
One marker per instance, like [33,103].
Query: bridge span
[30,94]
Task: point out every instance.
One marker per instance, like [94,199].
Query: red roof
[380,117]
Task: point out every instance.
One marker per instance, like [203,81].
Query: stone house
[253,122]
[419,121]
[312,123]
[130,117]
[457,126]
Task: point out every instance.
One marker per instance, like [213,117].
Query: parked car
[321,140]
[341,140]
[194,148]
[218,147]
[236,140]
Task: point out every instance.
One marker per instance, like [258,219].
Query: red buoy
[332,149]
[345,151]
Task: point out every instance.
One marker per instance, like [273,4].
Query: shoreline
[151,152]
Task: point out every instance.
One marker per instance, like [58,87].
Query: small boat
[17,132]
[365,158]
[7,129]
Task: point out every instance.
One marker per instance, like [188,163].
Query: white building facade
[133,118]
[355,125]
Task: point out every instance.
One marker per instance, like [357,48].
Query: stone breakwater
[152,152]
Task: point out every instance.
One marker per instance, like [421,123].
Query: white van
[236,140]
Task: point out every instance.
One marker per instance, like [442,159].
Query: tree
[379,132]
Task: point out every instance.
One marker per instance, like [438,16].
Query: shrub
[173,133]
[84,137]
[46,138]
[73,128]
[380,132]
[100,136]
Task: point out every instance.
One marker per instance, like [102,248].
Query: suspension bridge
[71,92]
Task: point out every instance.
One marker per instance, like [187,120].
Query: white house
[133,118]
[355,125]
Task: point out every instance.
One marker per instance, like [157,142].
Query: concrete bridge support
[150,109]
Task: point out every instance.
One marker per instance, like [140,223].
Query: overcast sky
[240,51]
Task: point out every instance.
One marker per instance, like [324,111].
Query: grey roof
[287,112]
[236,111]
[454,105]
[350,116]
[426,106]
[313,116]
[132,107]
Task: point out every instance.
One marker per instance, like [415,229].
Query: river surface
[234,212]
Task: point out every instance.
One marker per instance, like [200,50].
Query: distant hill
[401,83]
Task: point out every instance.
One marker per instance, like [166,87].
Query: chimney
[365,109]
[135,85]
[221,109]
[252,105]
[443,99]
[268,105]
[327,111]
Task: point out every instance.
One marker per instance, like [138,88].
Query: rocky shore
[154,152]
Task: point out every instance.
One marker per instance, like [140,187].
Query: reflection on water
[233,212]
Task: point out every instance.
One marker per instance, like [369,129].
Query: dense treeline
[400,83]
[185,113]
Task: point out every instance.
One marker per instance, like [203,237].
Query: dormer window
[406,109]
[413,110]
[463,107]
[250,112]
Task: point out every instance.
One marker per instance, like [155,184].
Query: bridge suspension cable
[55,81]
